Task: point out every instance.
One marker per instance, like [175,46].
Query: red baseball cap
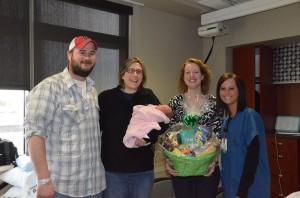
[80,42]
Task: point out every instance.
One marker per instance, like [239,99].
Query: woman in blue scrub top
[244,161]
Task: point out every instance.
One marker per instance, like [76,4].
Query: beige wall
[163,41]
[271,28]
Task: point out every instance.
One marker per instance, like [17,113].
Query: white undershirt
[82,85]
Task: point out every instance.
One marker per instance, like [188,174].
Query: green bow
[190,120]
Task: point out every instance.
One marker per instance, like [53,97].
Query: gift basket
[189,146]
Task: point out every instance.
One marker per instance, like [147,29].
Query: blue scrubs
[240,132]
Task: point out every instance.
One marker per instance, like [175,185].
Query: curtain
[56,23]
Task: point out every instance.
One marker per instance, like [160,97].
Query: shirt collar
[70,81]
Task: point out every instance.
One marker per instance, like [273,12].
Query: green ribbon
[190,120]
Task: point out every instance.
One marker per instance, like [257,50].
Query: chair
[162,188]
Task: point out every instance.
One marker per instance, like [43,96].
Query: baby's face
[166,110]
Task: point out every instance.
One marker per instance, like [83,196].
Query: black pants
[197,186]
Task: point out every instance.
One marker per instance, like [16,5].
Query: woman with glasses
[129,171]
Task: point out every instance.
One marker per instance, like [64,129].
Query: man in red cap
[82,57]
[62,129]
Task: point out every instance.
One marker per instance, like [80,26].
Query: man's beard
[80,72]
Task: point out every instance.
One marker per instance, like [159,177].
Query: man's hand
[45,190]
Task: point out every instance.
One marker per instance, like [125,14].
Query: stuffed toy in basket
[190,147]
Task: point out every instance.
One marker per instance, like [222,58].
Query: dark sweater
[250,166]
[115,115]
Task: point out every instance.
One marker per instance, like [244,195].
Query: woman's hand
[170,169]
[212,166]
[211,169]
[141,142]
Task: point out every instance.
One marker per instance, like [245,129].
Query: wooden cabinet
[284,162]
[254,65]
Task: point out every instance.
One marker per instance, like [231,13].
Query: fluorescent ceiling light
[243,9]
[134,2]
[220,4]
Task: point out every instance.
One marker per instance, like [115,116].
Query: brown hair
[205,71]
[125,67]
[241,92]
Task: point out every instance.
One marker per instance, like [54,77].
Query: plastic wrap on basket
[190,148]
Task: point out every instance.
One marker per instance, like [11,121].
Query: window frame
[63,34]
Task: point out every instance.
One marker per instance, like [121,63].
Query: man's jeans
[57,195]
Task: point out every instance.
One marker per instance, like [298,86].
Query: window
[35,40]
[14,48]
[12,116]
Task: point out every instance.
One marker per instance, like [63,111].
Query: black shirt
[115,114]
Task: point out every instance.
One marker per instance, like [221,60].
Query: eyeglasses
[137,71]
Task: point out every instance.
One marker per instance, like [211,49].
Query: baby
[166,110]
[144,119]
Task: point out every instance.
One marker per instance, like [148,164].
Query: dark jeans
[128,185]
[197,186]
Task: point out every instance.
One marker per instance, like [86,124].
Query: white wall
[163,41]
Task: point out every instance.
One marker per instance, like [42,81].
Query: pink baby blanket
[143,120]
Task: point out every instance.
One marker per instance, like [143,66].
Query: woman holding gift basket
[194,107]
[245,169]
